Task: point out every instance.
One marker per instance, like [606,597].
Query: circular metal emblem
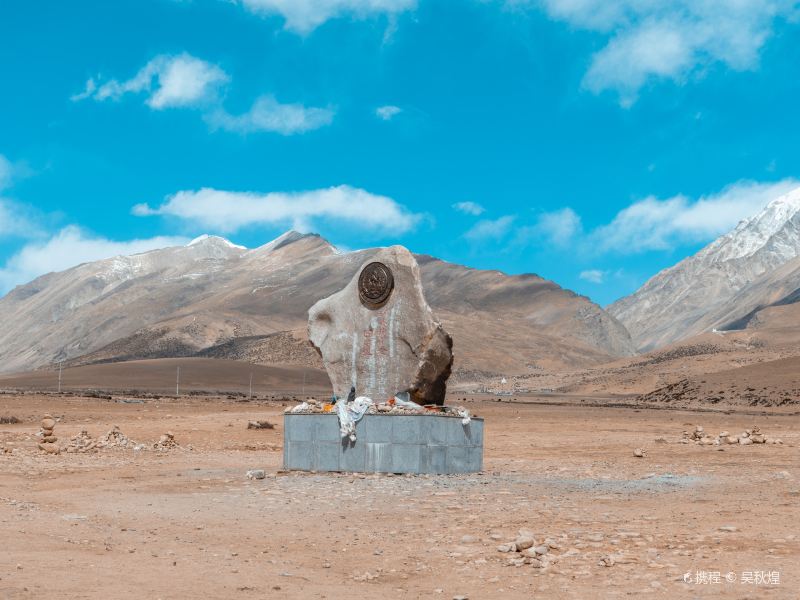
[375,284]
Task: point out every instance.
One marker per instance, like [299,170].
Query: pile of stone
[116,439]
[747,437]
[525,551]
[48,443]
[81,443]
[166,442]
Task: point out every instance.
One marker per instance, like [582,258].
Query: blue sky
[593,142]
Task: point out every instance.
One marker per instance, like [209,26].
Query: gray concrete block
[435,429]
[300,428]
[328,428]
[457,459]
[406,458]
[407,429]
[379,457]
[461,435]
[474,459]
[301,455]
[476,432]
[434,459]
[378,428]
[384,443]
[353,458]
[327,456]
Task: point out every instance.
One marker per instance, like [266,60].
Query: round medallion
[375,284]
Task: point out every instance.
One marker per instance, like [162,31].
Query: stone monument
[379,335]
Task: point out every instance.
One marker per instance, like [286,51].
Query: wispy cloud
[303,16]
[656,224]
[388,112]
[593,275]
[651,40]
[267,114]
[490,230]
[169,81]
[559,226]
[469,208]
[227,211]
[70,247]
[653,224]
[184,81]
[18,220]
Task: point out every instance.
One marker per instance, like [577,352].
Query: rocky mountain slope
[214,299]
[731,279]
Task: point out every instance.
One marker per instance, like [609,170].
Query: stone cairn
[48,443]
[525,551]
[747,437]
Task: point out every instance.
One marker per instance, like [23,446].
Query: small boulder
[523,543]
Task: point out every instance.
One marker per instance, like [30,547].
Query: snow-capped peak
[206,238]
[755,232]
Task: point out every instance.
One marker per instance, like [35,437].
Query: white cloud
[654,39]
[170,81]
[69,247]
[267,114]
[388,112]
[654,224]
[490,229]
[593,275]
[303,16]
[557,228]
[560,226]
[231,211]
[469,208]
[18,220]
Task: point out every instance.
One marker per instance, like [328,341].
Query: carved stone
[380,336]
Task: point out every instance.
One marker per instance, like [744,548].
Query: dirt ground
[187,523]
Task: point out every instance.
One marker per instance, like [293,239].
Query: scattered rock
[524,542]
[750,436]
[166,442]
[260,425]
[639,453]
[49,448]
[256,474]
[83,442]
[607,561]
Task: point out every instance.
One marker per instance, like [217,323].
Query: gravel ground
[187,523]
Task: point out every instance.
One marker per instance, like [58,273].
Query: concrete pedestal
[384,444]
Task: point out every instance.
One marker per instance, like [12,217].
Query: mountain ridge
[699,293]
[201,296]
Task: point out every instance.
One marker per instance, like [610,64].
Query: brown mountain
[214,299]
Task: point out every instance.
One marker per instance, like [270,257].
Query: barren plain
[684,521]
